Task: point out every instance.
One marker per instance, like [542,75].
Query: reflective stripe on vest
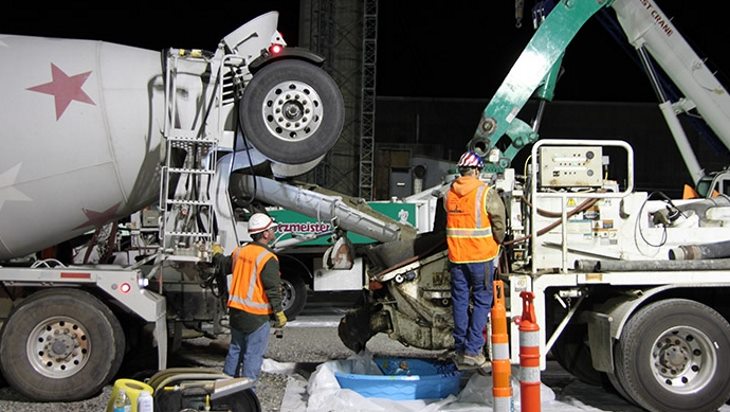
[468,230]
[247,290]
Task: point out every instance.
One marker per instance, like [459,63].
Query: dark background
[454,49]
[146,25]
[439,63]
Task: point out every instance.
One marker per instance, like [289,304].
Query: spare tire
[292,111]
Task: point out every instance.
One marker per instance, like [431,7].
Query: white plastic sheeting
[322,393]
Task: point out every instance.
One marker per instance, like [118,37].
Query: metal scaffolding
[367,97]
[345,34]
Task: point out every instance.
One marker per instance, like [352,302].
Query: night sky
[148,27]
[473,46]
[438,49]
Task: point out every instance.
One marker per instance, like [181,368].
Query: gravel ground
[297,352]
[295,356]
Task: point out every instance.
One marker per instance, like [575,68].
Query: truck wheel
[673,356]
[293,295]
[61,345]
[292,111]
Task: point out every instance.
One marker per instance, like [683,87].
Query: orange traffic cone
[689,193]
[529,356]
[501,373]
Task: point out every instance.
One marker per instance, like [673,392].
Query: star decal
[64,89]
[97,219]
[7,191]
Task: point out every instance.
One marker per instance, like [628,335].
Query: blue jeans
[247,350]
[469,329]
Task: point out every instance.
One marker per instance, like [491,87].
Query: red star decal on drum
[64,89]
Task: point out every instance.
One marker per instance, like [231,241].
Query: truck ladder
[186,217]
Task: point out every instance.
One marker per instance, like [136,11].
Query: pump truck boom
[617,298]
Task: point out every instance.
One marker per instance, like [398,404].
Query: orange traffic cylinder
[501,368]
[529,356]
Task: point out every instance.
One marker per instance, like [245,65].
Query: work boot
[474,361]
[450,355]
[459,357]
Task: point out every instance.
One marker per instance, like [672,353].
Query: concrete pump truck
[630,287]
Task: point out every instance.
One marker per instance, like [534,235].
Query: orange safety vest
[468,230]
[247,290]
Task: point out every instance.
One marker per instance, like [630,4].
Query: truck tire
[673,356]
[292,111]
[61,345]
[615,380]
[616,384]
[293,294]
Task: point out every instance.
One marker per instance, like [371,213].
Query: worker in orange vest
[253,298]
[475,226]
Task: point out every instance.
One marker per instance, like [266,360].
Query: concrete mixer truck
[175,149]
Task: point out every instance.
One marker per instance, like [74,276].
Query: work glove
[279,319]
[216,249]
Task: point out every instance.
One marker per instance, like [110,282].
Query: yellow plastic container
[132,387]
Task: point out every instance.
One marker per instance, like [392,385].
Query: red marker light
[125,287]
[275,49]
[75,275]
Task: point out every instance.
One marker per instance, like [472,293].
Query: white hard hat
[260,222]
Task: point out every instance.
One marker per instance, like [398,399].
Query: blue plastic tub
[405,378]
